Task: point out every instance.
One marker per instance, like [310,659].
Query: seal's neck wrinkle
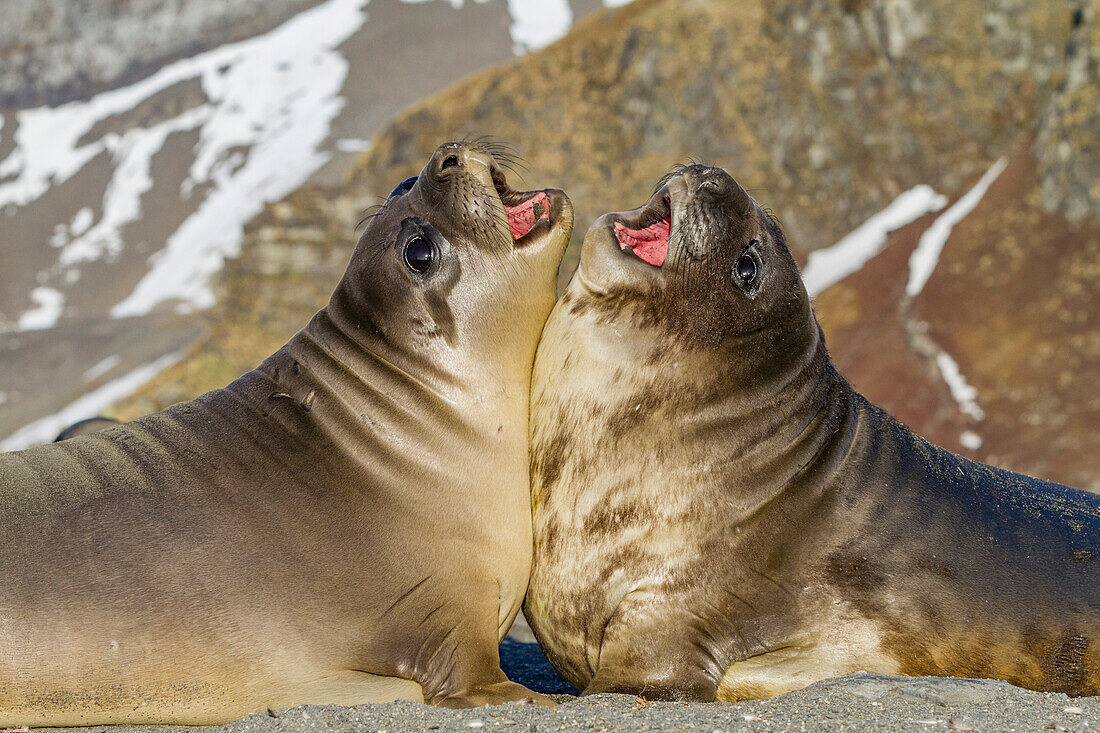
[352,385]
[345,316]
[366,341]
[773,419]
[484,348]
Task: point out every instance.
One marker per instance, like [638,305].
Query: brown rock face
[826,112]
[1013,301]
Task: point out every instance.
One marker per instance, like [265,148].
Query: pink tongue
[522,217]
[650,244]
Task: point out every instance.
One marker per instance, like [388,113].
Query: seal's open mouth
[525,209]
[522,217]
[646,231]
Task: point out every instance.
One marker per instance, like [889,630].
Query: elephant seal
[719,515]
[87,425]
[349,522]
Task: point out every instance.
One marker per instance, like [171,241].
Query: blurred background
[180,180]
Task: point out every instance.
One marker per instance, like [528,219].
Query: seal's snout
[456,159]
[712,186]
[705,178]
[527,213]
[690,192]
[696,210]
[706,186]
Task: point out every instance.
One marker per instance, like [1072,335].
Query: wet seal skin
[348,523]
[718,515]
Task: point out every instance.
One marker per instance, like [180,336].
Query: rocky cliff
[52,51]
[826,112]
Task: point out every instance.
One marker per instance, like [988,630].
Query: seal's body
[88,425]
[348,523]
[718,515]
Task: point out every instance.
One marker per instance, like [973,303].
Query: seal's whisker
[510,155]
[512,168]
[663,181]
[368,214]
[772,216]
[511,158]
[668,176]
[493,145]
[496,148]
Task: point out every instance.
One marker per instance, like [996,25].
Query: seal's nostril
[451,161]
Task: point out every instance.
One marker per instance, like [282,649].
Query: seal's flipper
[464,669]
[643,652]
[347,687]
[495,693]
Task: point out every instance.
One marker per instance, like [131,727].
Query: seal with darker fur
[718,515]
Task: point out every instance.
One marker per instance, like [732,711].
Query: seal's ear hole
[404,187]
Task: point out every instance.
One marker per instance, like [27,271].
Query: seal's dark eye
[746,269]
[419,254]
[403,187]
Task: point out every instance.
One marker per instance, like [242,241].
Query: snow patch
[90,405]
[538,23]
[970,440]
[63,233]
[60,236]
[273,95]
[616,3]
[961,390]
[49,304]
[133,154]
[826,267]
[353,145]
[81,221]
[924,258]
[276,94]
[100,368]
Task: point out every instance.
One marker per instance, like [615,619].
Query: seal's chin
[527,211]
[646,231]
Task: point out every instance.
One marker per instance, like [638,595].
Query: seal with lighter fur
[349,522]
[719,515]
